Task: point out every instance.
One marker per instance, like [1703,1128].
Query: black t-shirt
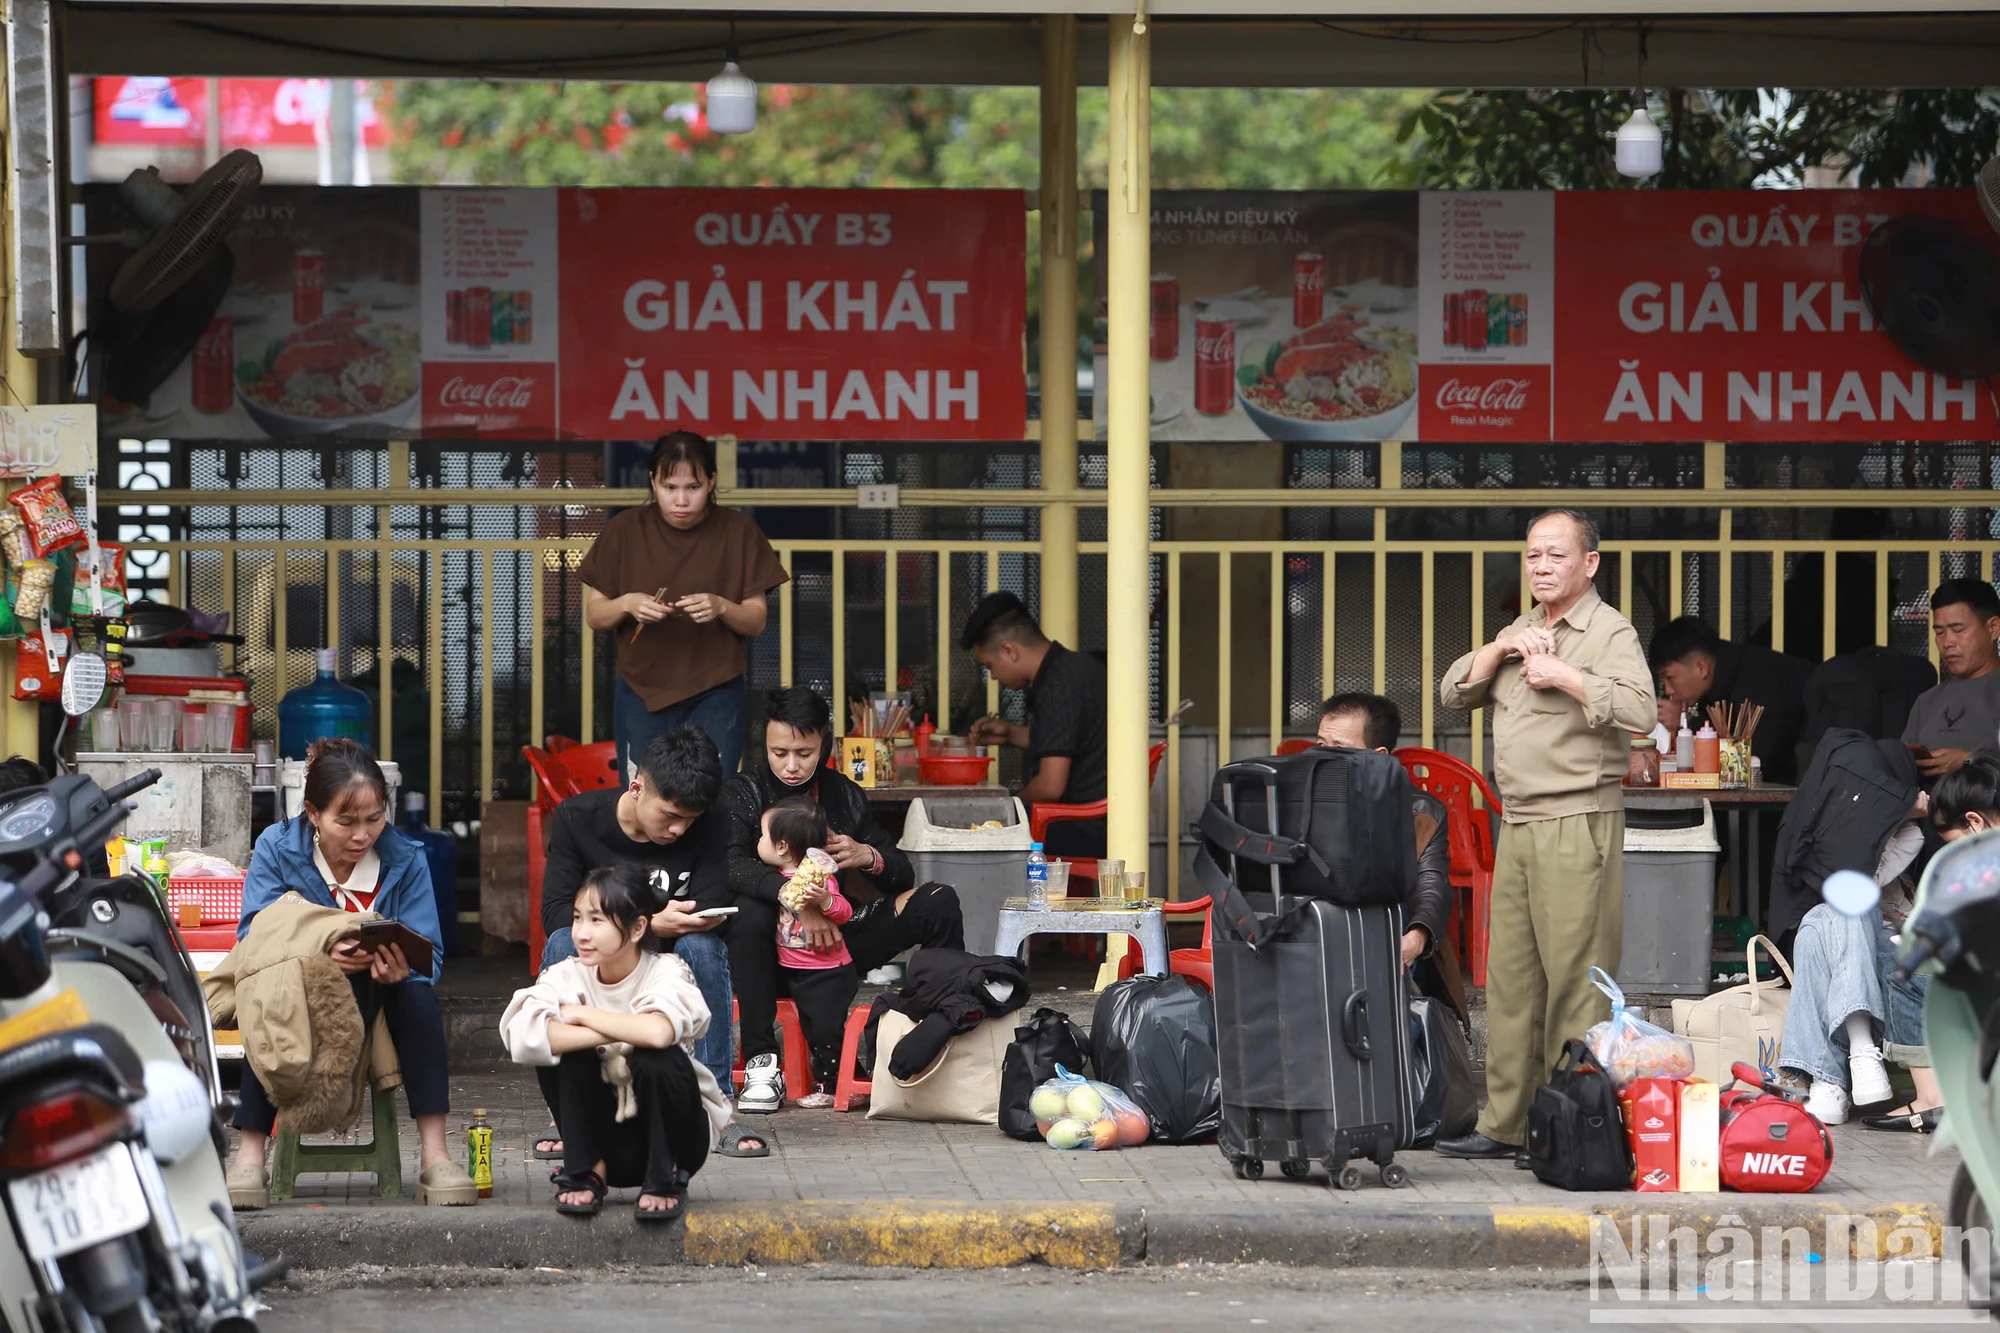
[1066,704]
[584,835]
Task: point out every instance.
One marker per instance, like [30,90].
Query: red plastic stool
[848,1087]
[797,1056]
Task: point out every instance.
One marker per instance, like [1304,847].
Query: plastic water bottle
[324,707]
[1038,876]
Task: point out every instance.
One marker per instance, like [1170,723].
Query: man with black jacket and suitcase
[798,724]
[1569,688]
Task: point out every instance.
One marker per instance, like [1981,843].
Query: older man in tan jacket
[1568,686]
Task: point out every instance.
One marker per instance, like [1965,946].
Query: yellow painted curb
[1558,1237]
[917,1235]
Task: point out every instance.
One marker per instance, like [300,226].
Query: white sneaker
[1867,1077]
[1827,1102]
[763,1086]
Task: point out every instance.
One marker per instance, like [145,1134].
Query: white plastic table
[1141,919]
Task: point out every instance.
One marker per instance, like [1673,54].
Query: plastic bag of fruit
[1073,1112]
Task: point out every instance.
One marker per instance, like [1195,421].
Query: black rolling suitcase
[1310,1002]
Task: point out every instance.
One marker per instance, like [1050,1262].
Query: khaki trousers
[1558,907]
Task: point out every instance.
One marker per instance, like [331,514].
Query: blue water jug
[441,851]
[324,708]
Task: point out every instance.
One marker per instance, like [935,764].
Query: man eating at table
[1064,737]
[891,914]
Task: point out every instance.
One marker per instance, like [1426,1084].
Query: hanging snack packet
[14,538]
[50,521]
[37,577]
[108,569]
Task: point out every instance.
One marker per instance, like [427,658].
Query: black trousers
[669,1133]
[416,1027]
[823,995]
[877,933]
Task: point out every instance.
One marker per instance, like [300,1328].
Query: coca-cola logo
[506,393]
[1213,347]
[1501,395]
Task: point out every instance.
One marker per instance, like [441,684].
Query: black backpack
[1344,830]
[1046,1040]
[1576,1133]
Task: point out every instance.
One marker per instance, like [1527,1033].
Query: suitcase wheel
[1250,1168]
[1394,1175]
[1296,1170]
[1347,1177]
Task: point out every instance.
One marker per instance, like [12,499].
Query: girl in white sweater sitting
[611,1034]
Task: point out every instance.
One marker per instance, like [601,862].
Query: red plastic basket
[220,897]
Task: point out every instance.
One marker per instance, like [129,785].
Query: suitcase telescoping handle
[1354,1025]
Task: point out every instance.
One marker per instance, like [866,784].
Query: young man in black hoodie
[898,916]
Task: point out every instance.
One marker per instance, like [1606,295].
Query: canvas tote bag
[962,1086]
[1744,1023]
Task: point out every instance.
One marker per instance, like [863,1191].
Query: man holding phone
[1961,713]
[661,822]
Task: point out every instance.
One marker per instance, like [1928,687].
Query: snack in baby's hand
[803,888]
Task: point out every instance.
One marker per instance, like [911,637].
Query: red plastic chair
[1194,964]
[1051,812]
[559,775]
[1452,781]
[847,1087]
[796,1059]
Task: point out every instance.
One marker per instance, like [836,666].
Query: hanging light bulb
[732,95]
[1639,146]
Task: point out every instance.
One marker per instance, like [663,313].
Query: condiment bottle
[1684,748]
[1707,751]
[925,730]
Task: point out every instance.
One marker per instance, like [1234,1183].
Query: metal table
[1142,919]
[1740,805]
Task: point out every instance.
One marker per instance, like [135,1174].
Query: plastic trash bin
[945,844]
[1670,856]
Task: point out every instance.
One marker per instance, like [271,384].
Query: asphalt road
[1004,1301]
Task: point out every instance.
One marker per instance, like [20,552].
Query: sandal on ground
[247,1190]
[733,1135]
[553,1137]
[674,1192]
[586,1180]
[447,1185]
[1905,1121]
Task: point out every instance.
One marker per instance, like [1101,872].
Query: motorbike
[111,1139]
[1955,933]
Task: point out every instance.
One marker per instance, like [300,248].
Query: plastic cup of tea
[221,728]
[1058,882]
[1135,886]
[194,731]
[163,717]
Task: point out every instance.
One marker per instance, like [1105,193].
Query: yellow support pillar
[1058,221]
[1129,264]
[23,720]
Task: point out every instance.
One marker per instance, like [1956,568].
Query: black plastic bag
[1440,1074]
[1154,1037]
[1046,1040]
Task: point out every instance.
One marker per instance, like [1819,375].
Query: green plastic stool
[381,1156]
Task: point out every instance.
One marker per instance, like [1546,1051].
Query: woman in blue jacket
[341,852]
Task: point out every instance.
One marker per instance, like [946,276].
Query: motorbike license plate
[79,1204]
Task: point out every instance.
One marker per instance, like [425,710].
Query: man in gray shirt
[1961,713]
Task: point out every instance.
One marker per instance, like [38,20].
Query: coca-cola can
[214,367]
[1472,318]
[1451,319]
[308,286]
[1166,317]
[1308,288]
[503,318]
[1517,319]
[524,317]
[454,315]
[478,316]
[1214,365]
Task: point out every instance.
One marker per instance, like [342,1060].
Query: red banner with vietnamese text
[792,314]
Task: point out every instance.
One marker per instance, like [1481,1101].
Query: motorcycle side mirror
[1851,893]
[82,684]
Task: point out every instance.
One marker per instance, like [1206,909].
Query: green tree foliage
[1714,140]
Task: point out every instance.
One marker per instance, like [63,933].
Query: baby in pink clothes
[822,981]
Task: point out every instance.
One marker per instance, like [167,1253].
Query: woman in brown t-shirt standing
[681,583]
